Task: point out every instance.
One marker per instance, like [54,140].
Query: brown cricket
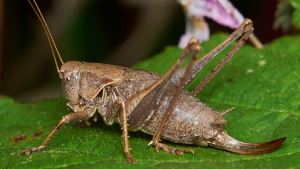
[143,101]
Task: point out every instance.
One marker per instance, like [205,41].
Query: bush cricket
[143,101]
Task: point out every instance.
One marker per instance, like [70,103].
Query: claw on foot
[172,150]
[130,159]
[32,150]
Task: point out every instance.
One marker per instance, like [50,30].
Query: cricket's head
[67,71]
[70,77]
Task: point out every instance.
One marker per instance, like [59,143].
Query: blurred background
[121,32]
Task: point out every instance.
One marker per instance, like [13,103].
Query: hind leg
[243,32]
[173,95]
[172,150]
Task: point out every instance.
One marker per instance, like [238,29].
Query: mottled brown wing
[149,104]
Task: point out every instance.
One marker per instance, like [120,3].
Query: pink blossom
[221,11]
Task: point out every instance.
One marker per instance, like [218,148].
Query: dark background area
[119,32]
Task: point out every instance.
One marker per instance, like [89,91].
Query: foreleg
[72,117]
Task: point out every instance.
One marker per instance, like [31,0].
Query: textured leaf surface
[263,85]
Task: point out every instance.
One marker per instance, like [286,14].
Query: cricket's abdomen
[191,122]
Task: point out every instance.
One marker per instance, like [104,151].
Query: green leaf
[263,85]
[296,18]
[295,3]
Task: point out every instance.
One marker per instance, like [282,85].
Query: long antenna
[54,50]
